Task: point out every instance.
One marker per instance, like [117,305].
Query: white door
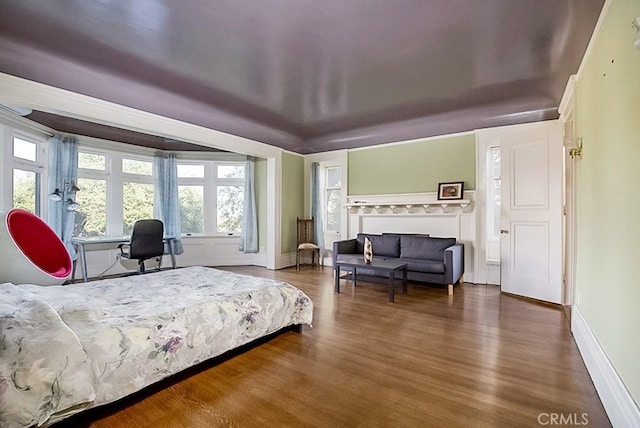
[531,226]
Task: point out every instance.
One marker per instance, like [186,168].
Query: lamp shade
[30,251]
[56,196]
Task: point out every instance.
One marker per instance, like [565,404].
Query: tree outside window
[137,204]
[230,198]
[333,189]
[26,176]
[91,217]
[25,193]
[191,208]
[137,192]
[191,193]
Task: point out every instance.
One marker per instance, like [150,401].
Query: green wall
[260,179]
[608,176]
[292,199]
[413,167]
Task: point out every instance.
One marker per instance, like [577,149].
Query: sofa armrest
[348,246]
[453,263]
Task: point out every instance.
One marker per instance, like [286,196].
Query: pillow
[426,248]
[405,234]
[368,252]
[382,245]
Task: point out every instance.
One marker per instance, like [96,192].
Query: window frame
[96,174]
[211,182]
[325,190]
[37,167]
[197,181]
[226,181]
[127,177]
[492,238]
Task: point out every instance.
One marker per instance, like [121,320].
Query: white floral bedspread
[93,343]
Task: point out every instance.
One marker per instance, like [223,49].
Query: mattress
[67,348]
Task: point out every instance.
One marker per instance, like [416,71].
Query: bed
[64,349]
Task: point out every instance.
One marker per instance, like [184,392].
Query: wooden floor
[475,359]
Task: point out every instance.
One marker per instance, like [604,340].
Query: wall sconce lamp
[576,152]
[64,195]
[636,25]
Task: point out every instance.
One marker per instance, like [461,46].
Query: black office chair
[146,242]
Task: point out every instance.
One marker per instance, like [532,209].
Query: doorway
[521,199]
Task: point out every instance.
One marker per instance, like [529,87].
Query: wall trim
[413,140]
[20,123]
[46,98]
[616,399]
[594,35]
[287,260]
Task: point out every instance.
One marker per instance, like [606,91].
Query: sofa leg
[450,287]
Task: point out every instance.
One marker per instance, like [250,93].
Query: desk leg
[337,279]
[74,263]
[172,251]
[83,260]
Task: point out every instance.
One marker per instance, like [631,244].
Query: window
[136,166]
[26,177]
[117,189]
[137,192]
[215,188]
[191,195]
[229,198]
[332,192]
[493,204]
[93,181]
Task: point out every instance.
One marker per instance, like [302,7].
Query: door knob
[504,231]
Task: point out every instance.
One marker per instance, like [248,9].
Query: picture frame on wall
[450,191]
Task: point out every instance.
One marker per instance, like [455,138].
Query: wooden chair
[306,240]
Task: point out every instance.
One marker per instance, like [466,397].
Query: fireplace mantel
[415,203]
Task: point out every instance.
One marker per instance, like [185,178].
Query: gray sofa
[429,259]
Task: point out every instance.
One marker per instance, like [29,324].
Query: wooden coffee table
[389,267]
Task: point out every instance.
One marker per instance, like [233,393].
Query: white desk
[103,243]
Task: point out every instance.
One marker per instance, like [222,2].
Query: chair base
[313,258]
[142,269]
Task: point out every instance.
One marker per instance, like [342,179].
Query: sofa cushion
[428,266]
[405,234]
[382,245]
[425,248]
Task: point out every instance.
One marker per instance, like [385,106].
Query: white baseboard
[286,260]
[289,260]
[618,403]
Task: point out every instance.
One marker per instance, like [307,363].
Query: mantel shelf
[409,206]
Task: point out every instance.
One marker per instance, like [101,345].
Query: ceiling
[307,76]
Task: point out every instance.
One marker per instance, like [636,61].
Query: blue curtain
[316,206]
[249,238]
[63,171]
[166,205]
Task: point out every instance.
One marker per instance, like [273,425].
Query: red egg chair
[30,251]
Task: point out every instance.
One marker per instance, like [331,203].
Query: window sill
[205,236]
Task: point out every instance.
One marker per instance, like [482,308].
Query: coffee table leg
[392,280]
[404,281]
[337,280]
[353,278]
